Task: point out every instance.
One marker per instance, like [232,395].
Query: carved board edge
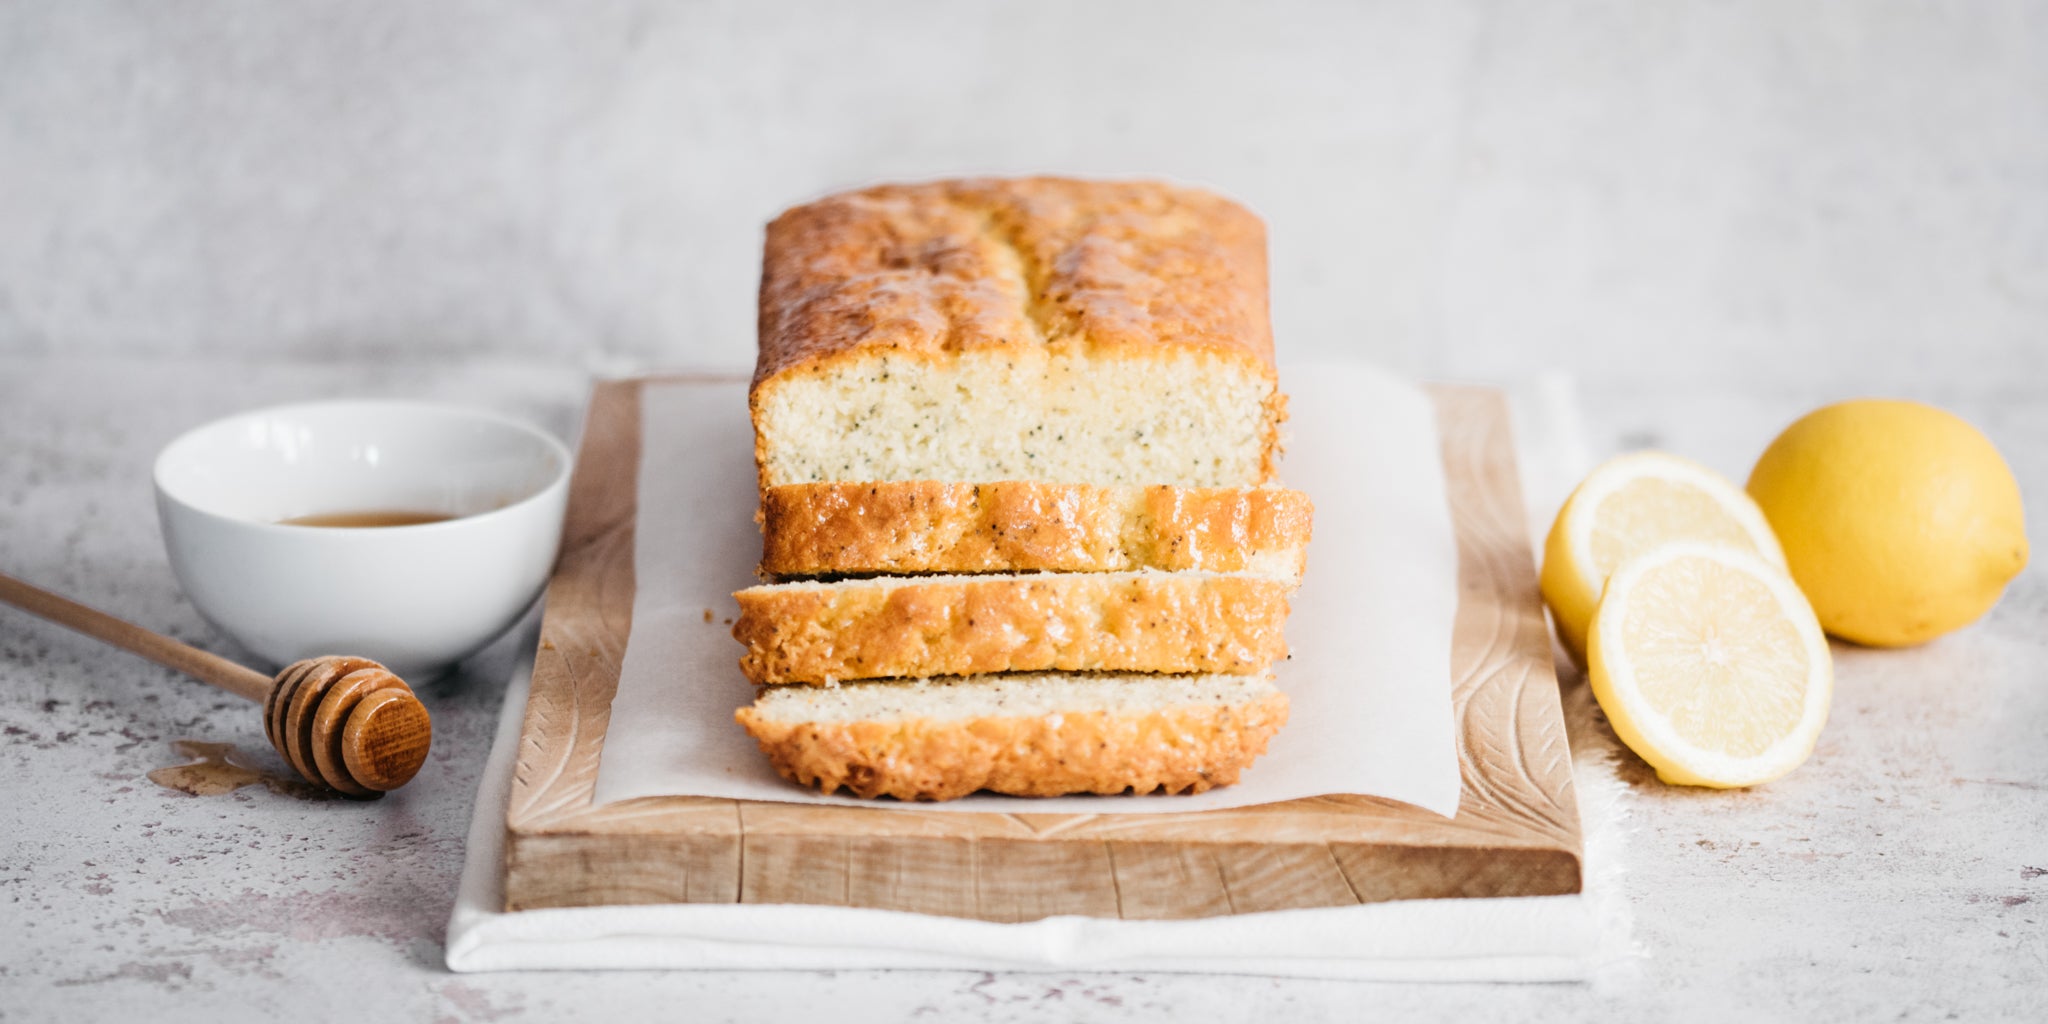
[587,620]
[1512,745]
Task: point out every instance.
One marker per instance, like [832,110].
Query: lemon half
[1628,507]
[1710,665]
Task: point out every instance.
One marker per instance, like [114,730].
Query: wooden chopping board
[1516,832]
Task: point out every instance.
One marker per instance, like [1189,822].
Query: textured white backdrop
[1730,193]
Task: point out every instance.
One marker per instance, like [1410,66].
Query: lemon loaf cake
[912,626]
[923,526]
[1110,333]
[1025,735]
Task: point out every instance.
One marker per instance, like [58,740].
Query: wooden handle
[163,650]
[347,723]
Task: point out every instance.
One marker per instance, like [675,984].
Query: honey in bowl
[357,520]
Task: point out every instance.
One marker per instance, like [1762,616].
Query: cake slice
[1025,735]
[1110,333]
[897,626]
[923,526]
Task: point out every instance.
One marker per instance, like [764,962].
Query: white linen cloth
[1526,939]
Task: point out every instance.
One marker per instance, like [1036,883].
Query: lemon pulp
[1710,665]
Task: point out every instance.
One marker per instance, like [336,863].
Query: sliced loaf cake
[1058,397]
[1025,735]
[924,526]
[911,626]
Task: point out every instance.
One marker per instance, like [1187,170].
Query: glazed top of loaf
[951,266]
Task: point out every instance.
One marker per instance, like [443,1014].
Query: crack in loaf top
[1032,263]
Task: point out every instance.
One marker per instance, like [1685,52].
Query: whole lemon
[1899,520]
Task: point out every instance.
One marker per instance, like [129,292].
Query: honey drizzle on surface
[219,768]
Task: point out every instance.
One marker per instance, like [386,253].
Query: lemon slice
[1628,507]
[1710,665]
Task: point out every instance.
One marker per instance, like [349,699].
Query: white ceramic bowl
[417,598]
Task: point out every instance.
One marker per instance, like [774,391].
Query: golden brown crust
[964,625]
[1024,263]
[1186,748]
[926,526]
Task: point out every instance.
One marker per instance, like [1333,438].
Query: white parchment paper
[1370,634]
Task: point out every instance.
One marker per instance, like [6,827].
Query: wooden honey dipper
[346,723]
